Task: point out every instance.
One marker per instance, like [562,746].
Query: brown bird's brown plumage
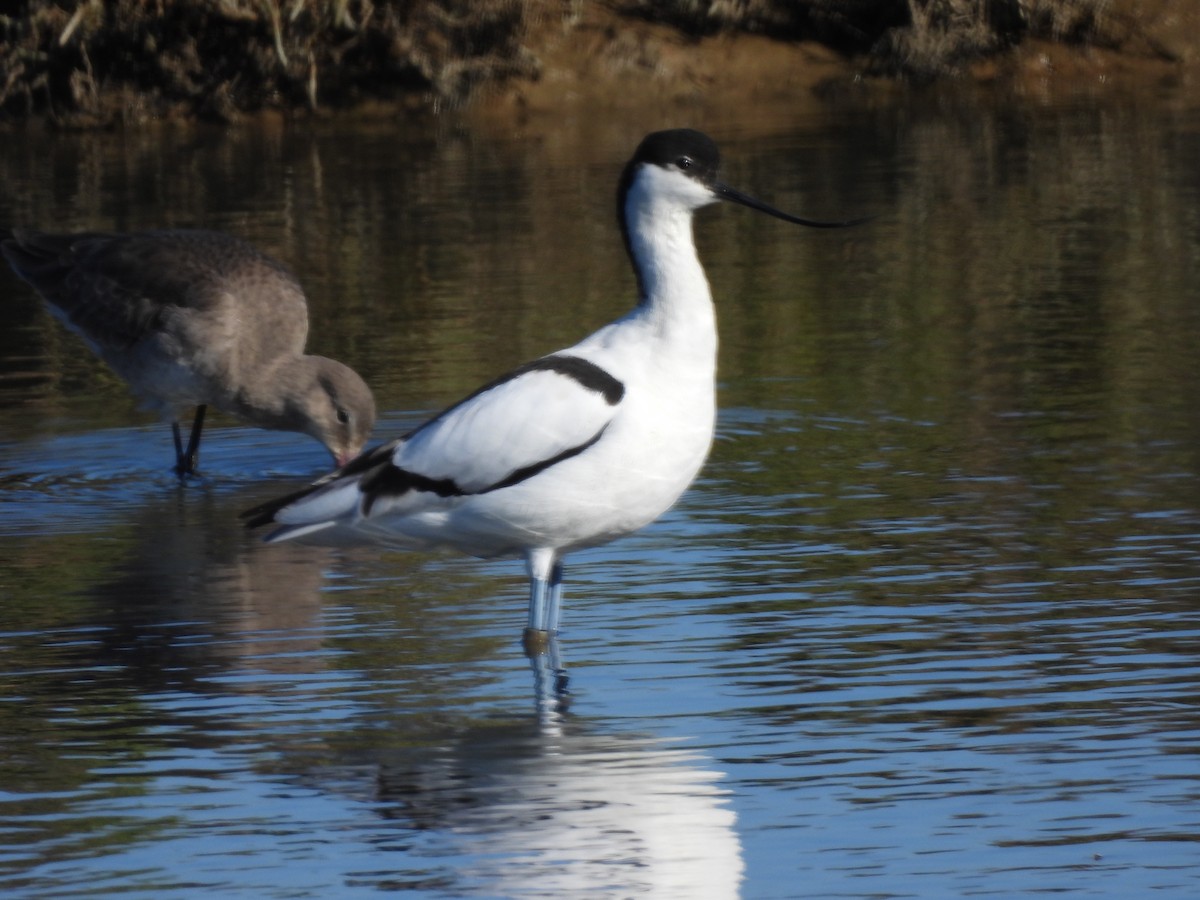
[196,319]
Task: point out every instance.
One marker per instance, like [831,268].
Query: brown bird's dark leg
[185,460]
[178,449]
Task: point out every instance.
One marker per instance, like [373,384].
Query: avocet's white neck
[659,206]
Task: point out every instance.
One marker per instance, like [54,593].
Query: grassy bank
[91,63]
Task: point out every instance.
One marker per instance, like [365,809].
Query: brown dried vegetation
[87,63]
[918,39]
[98,61]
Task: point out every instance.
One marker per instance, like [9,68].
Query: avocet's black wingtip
[264,513]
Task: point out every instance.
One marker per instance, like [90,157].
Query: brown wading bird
[198,319]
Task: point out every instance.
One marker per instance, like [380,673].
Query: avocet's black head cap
[695,154]
[689,150]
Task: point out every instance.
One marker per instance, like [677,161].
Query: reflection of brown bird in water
[198,318]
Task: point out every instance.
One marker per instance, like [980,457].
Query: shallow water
[927,626]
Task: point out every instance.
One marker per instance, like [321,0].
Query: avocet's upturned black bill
[571,450]
[198,318]
[725,192]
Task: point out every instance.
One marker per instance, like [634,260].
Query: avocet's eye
[684,162]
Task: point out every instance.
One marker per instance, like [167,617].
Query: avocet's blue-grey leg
[556,593]
[542,566]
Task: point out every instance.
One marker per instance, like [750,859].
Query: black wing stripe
[391,481]
[586,374]
[529,471]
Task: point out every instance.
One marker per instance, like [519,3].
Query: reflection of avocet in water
[524,814]
[574,449]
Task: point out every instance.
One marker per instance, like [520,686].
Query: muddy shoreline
[104,65]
